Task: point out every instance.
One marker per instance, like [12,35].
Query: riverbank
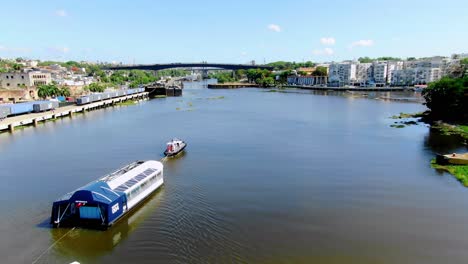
[443,128]
[451,129]
[460,172]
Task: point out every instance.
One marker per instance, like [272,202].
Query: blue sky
[144,31]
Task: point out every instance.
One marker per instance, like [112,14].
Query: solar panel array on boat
[140,177]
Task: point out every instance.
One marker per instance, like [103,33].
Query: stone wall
[9,96]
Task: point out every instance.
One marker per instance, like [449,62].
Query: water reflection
[439,143]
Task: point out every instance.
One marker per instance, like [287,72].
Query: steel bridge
[201,65]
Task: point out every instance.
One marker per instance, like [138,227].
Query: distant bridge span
[207,66]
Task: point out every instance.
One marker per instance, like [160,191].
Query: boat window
[130,183]
[149,171]
[140,177]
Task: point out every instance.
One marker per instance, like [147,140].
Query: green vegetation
[126,103]
[51,90]
[459,171]
[8,66]
[405,115]
[263,78]
[368,60]
[260,77]
[286,65]
[95,88]
[320,71]
[397,126]
[447,99]
[223,77]
[448,130]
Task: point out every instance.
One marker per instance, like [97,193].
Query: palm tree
[43,91]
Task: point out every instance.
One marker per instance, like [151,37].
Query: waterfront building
[391,67]
[25,79]
[364,72]
[341,74]
[380,73]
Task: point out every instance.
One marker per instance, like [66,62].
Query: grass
[397,126]
[447,129]
[459,171]
[160,96]
[126,103]
[406,115]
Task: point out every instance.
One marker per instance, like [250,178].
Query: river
[268,177]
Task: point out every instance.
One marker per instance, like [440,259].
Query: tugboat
[174,147]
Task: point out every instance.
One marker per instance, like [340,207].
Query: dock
[10,123]
[348,88]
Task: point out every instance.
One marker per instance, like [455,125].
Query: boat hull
[171,154]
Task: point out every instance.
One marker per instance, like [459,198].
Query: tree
[65,92]
[447,99]
[96,88]
[365,60]
[48,90]
[389,59]
[17,66]
[283,77]
[320,71]
[411,59]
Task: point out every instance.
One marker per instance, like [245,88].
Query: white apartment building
[391,67]
[342,73]
[26,79]
[380,73]
[414,76]
[364,72]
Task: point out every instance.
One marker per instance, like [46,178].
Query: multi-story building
[364,72]
[380,73]
[416,76]
[391,67]
[24,79]
[342,73]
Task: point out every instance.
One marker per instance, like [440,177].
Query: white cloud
[325,51]
[274,28]
[61,13]
[362,43]
[62,50]
[243,53]
[328,41]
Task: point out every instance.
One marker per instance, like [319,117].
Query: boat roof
[110,187]
[127,175]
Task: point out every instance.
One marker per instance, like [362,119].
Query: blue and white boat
[102,202]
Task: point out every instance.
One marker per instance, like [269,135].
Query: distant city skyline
[143,31]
